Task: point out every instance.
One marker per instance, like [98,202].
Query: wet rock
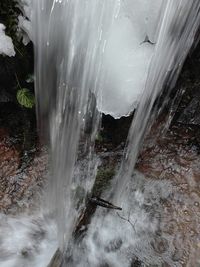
[5,96]
[176,158]
[26,253]
[104,264]
[19,186]
[160,244]
[114,245]
[177,255]
[136,263]
[57,259]
[191,114]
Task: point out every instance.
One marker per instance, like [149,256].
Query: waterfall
[109,56]
[177,32]
[68,41]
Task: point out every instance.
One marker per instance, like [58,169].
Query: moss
[99,139]
[103,178]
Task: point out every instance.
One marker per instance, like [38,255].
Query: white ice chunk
[146,14]
[128,52]
[126,62]
[6,45]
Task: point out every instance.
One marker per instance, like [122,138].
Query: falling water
[69,42]
[109,56]
[108,238]
[77,43]
[177,32]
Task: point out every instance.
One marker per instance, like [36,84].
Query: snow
[6,45]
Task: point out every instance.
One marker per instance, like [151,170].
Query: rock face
[188,111]
[175,157]
[19,185]
[191,114]
[23,162]
[173,154]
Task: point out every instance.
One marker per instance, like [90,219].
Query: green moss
[99,138]
[103,178]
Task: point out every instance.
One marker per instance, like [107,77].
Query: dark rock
[57,259]
[191,114]
[104,264]
[136,263]
[114,245]
[5,96]
[160,245]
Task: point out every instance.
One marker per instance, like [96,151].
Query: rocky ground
[23,162]
[176,157]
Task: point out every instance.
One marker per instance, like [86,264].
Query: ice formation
[128,52]
[128,47]
[6,45]
[24,21]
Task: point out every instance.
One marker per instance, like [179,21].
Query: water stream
[107,56]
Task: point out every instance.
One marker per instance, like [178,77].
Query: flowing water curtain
[129,234]
[178,27]
[69,37]
[74,40]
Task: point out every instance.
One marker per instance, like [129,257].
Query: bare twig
[128,220]
[18,51]
[17,81]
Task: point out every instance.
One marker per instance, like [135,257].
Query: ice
[128,52]
[25,29]
[124,59]
[6,45]
[126,63]
[125,55]
[24,21]
[145,15]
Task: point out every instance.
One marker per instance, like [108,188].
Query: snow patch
[6,44]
